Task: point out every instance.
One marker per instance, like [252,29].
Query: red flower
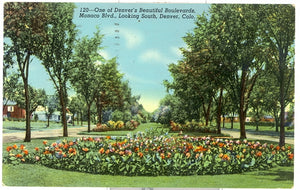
[25,152]
[9,148]
[277,147]
[140,154]
[258,154]
[290,156]
[22,147]
[45,142]
[15,146]
[19,155]
[37,149]
[271,146]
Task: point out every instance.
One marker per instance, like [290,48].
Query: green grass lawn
[36,175]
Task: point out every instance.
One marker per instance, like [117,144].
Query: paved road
[19,136]
[236,134]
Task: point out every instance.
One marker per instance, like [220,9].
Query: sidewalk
[19,136]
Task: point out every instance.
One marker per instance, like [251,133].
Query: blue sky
[144,48]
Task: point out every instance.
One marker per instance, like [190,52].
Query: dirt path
[19,136]
[236,134]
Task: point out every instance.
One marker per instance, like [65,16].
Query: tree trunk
[242,106]
[64,112]
[48,118]
[282,112]
[231,121]
[219,112]
[223,121]
[27,107]
[24,73]
[207,111]
[89,117]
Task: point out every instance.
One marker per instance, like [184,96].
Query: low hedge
[192,126]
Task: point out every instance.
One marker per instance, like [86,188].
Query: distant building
[42,116]
[12,110]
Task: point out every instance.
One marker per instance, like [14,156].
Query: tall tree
[241,44]
[110,90]
[84,75]
[279,33]
[56,53]
[24,25]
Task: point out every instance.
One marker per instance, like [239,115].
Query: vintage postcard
[148,95]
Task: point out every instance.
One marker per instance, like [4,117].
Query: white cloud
[153,55]
[133,38]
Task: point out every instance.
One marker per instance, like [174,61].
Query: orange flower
[238,156]
[23,160]
[71,143]
[121,153]
[107,151]
[45,142]
[66,146]
[188,155]
[221,155]
[258,154]
[22,147]
[90,139]
[25,152]
[197,155]
[9,148]
[291,156]
[85,149]
[15,146]
[37,149]
[19,155]
[283,148]
[101,151]
[136,149]
[47,152]
[277,147]
[271,146]
[221,145]
[200,149]
[273,152]
[169,154]
[162,155]
[225,157]
[108,137]
[289,147]
[140,154]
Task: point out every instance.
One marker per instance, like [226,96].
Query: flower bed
[192,126]
[116,126]
[160,155]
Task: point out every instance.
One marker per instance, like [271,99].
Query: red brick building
[12,110]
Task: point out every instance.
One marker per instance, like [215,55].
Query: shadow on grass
[277,175]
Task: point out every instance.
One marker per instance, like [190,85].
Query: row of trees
[237,57]
[46,31]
